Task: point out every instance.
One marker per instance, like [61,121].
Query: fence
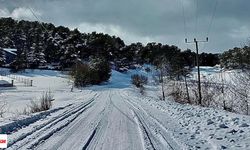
[26,81]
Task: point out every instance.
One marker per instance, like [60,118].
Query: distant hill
[39,44]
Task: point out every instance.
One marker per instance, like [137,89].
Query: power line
[184,20]
[211,21]
[196,17]
[33,13]
[184,17]
[41,22]
[197,44]
[212,17]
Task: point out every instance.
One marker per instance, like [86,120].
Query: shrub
[3,108]
[81,75]
[139,80]
[44,103]
[94,72]
[178,92]
[101,70]
[148,70]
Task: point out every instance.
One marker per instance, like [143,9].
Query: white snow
[114,116]
[9,50]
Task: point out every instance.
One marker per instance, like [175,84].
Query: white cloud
[116,30]
[24,13]
[243,32]
[4,12]
[20,13]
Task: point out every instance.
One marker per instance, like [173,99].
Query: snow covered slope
[114,116]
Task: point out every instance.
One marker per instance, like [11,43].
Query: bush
[101,69]
[178,92]
[3,108]
[148,70]
[139,80]
[81,74]
[44,103]
[94,72]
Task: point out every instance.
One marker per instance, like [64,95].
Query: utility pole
[198,66]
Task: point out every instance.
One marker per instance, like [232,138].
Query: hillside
[41,44]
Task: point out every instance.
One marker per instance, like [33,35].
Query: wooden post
[198,67]
[12,82]
[185,79]
[31,81]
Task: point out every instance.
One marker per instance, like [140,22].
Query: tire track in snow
[89,139]
[144,132]
[157,131]
[149,136]
[48,135]
[118,129]
[80,131]
[101,127]
[144,135]
[17,125]
[37,131]
[89,124]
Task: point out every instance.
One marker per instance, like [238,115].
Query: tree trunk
[185,78]
[162,86]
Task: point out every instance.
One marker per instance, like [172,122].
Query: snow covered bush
[101,68]
[211,94]
[3,108]
[139,80]
[81,75]
[44,103]
[239,86]
[94,72]
[148,70]
[2,59]
[178,92]
[184,92]
[236,58]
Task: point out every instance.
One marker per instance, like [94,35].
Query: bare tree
[164,69]
[240,87]
[185,72]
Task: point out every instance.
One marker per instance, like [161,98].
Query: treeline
[236,58]
[39,44]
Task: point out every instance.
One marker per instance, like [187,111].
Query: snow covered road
[116,116]
[108,119]
[102,122]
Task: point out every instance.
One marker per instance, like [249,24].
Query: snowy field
[224,88]
[18,97]
[114,116]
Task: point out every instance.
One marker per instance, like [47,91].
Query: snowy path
[116,116]
[108,120]
[102,122]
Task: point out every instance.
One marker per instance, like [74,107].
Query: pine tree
[2,59]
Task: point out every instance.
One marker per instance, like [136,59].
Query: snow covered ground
[114,116]
[18,97]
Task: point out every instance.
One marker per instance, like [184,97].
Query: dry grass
[44,103]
